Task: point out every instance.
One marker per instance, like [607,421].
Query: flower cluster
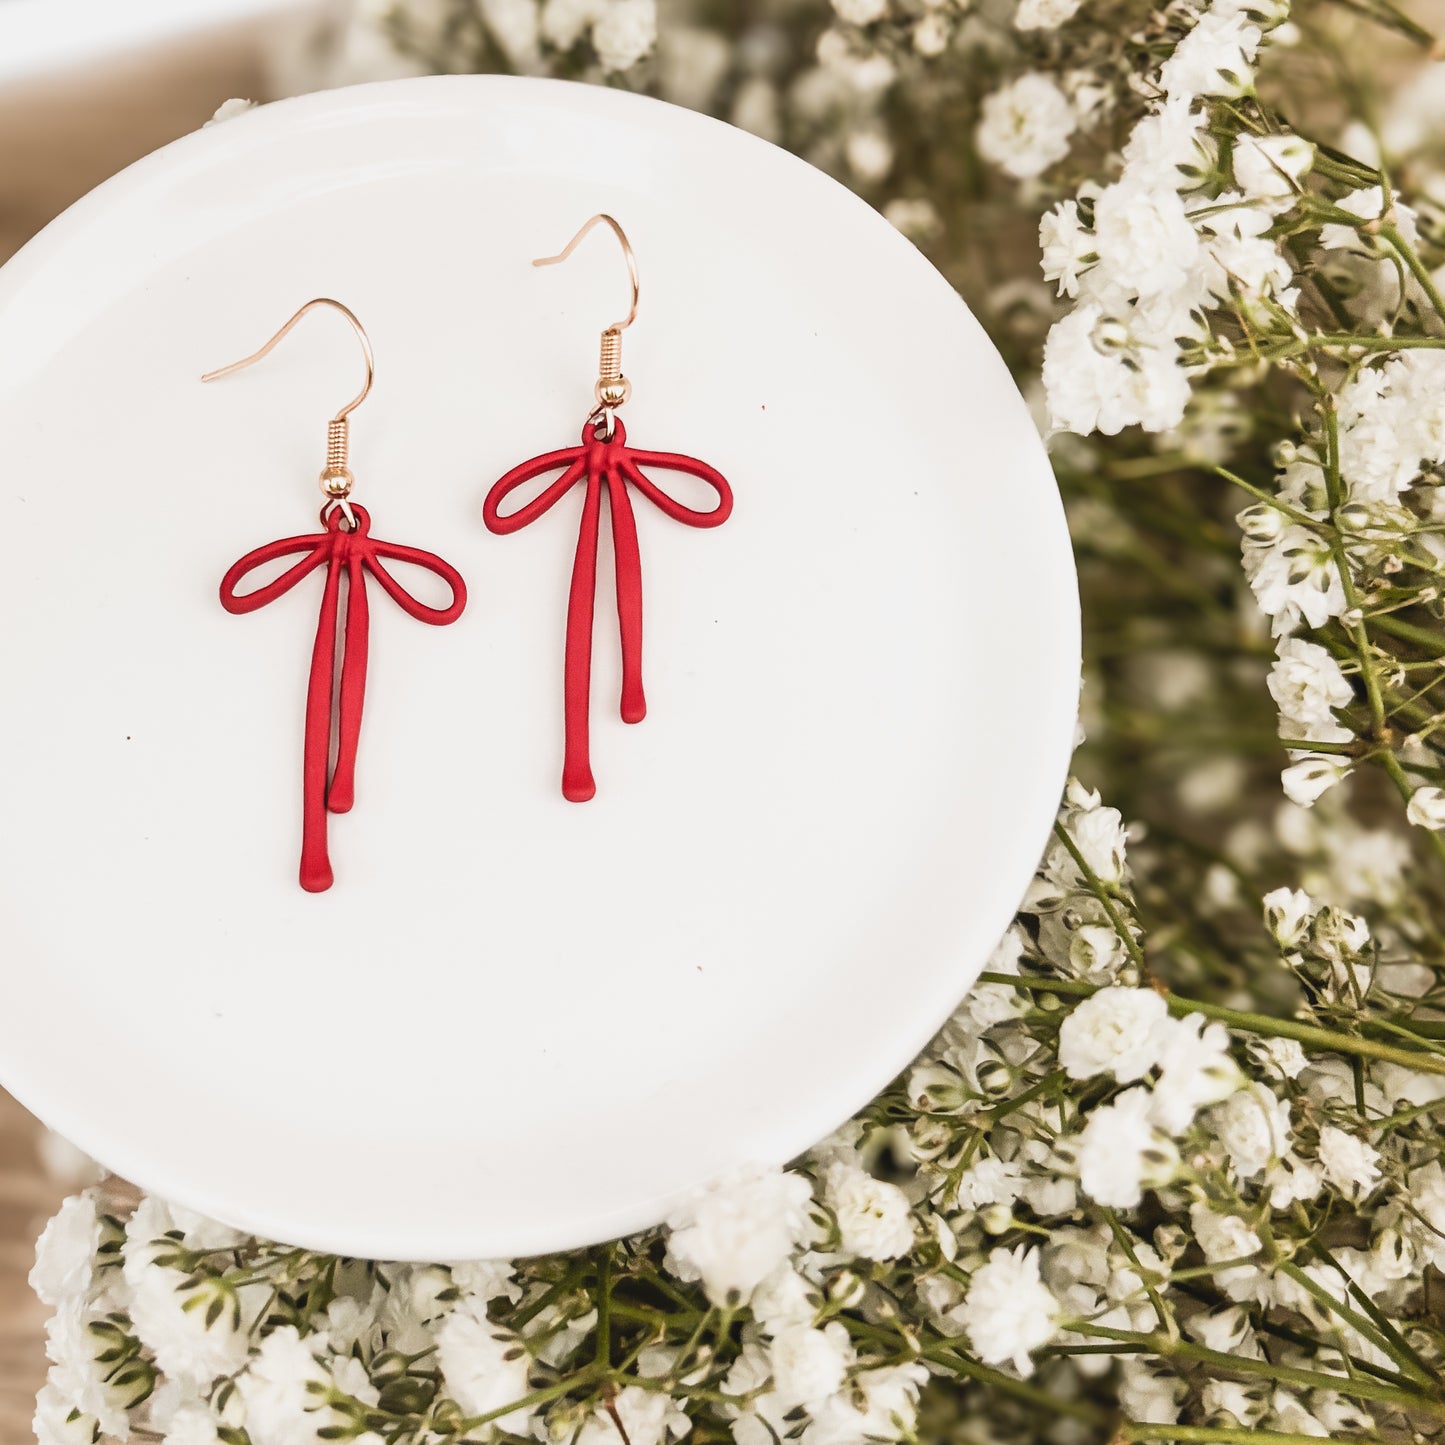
[1166,1211]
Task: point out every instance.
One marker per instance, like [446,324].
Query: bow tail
[629,596]
[316,875]
[352,692]
[578,784]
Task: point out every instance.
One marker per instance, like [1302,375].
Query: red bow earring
[346,548]
[603,461]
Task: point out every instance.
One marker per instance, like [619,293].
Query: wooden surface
[27,1198]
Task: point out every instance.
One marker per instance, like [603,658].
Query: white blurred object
[88,86]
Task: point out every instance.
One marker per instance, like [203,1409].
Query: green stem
[1293,513]
[530,1402]
[1408,255]
[1096,887]
[1249,1023]
[1224,1433]
[1168,1348]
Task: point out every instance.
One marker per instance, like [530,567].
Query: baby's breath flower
[1118,1031]
[1026,126]
[1427,807]
[1009,1311]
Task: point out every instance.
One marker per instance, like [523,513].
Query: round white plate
[516,1024]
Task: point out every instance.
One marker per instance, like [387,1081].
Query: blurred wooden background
[27,1197]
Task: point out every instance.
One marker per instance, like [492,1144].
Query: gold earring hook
[336,479]
[612,388]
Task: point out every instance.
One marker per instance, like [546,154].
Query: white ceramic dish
[516,1024]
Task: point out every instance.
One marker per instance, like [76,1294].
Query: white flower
[1288,913]
[878,1405]
[650,1417]
[1067,245]
[1426,808]
[565,22]
[784,1298]
[1253,1126]
[1368,203]
[1281,1058]
[1312,775]
[1307,686]
[1096,952]
[1197,1070]
[931,34]
[1118,1031]
[192,1425]
[1427,1194]
[624,32]
[869,153]
[1290,1180]
[1122,1151]
[281,1408]
[860,12]
[1026,126]
[1294,578]
[1243,1404]
[1045,14]
[65,1253]
[1099,835]
[809,1364]
[762,1420]
[1215,58]
[1144,238]
[1098,376]
[874,1218]
[1147,1395]
[736,1232]
[80,1377]
[1225,1331]
[483,1365]
[486,1279]
[989,1181]
[53,1423]
[1267,168]
[1009,1311]
[412,1304]
[1170,147]
[1226,1236]
[171,1318]
[1350,1164]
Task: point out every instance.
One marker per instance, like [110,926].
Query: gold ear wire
[336,479]
[612,388]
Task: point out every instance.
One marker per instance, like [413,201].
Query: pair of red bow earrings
[345,546]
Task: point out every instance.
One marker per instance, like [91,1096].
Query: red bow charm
[354,553]
[603,462]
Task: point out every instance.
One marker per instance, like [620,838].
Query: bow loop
[428,562]
[632,462]
[572,461]
[318,547]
